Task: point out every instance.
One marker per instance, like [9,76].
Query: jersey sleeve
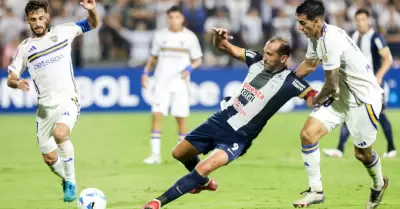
[195,49]
[155,46]
[311,53]
[380,42]
[252,57]
[74,29]
[19,62]
[331,51]
[303,88]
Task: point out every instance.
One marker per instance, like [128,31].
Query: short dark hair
[284,48]
[362,11]
[34,5]
[311,8]
[175,8]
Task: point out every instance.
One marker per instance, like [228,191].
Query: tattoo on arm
[330,88]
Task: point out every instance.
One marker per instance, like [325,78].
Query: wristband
[189,68]
[145,72]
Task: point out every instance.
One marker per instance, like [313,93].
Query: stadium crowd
[125,35]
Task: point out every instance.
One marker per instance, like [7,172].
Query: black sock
[182,186]
[344,135]
[387,129]
[191,164]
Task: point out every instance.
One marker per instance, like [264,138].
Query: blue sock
[191,164]
[387,129]
[182,186]
[344,135]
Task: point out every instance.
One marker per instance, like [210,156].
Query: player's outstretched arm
[306,67]
[221,42]
[93,18]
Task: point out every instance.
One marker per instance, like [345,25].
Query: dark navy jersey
[261,95]
[370,44]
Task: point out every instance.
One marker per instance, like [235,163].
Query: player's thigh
[44,129]
[67,116]
[363,123]
[180,104]
[161,102]
[323,119]
[185,151]
[202,138]
[233,147]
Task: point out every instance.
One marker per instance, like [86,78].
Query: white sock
[312,158]
[57,168]
[67,154]
[155,142]
[374,169]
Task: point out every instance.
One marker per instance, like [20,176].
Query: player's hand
[88,4]
[145,81]
[310,102]
[23,85]
[185,74]
[221,33]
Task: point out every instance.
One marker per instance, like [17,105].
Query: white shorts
[177,103]
[362,121]
[48,116]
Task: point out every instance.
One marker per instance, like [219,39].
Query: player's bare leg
[191,181]
[312,132]
[187,154]
[182,128]
[372,163]
[155,139]
[61,135]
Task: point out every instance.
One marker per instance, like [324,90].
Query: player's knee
[206,167]
[177,154]
[50,158]
[60,135]
[364,155]
[307,136]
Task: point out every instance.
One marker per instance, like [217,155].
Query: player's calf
[54,162]
[372,163]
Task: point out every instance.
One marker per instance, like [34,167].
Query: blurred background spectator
[125,35]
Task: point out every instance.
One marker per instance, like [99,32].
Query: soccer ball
[92,198]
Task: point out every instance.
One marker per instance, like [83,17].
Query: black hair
[175,8]
[284,48]
[311,8]
[34,5]
[362,11]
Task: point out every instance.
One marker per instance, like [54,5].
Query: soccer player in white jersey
[229,132]
[374,46]
[350,94]
[47,57]
[176,50]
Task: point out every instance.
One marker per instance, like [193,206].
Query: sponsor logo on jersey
[253,91]
[44,63]
[296,83]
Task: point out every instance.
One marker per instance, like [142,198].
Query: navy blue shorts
[213,135]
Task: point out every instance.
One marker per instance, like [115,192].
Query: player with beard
[47,56]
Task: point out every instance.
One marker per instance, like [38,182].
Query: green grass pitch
[110,148]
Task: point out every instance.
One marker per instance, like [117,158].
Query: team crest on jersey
[54,38]
[325,58]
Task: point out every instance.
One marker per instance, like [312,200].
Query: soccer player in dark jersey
[228,133]
[374,46]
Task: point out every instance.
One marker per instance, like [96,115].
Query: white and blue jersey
[48,60]
[370,44]
[243,116]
